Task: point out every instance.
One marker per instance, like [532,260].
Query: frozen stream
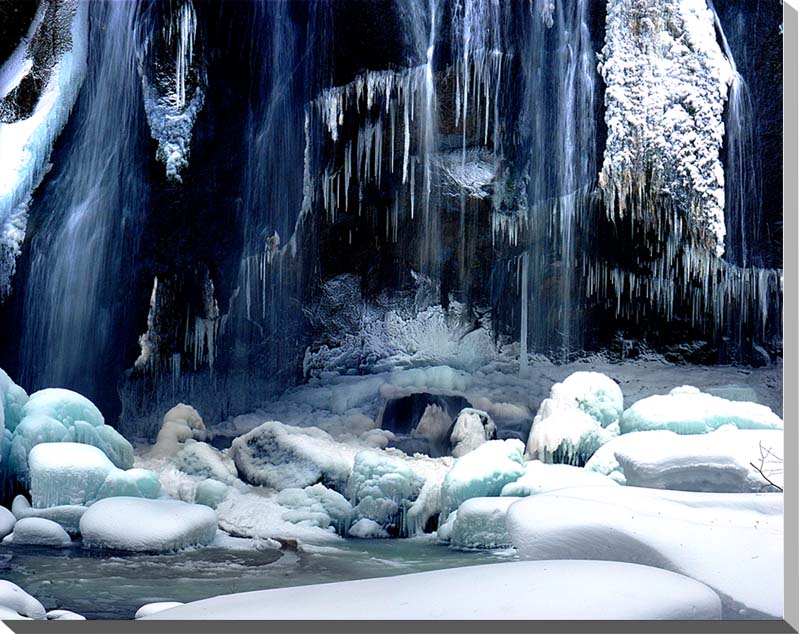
[103,585]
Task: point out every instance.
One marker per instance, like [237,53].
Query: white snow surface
[7,521]
[516,590]
[66,473]
[595,393]
[37,531]
[138,524]
[15,598]
[67,516]
[365,528]
[480,523]
[540,477]
[731,542]
[148,609]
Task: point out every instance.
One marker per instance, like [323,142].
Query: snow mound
[64,615]
[316,505]
[480,523]
[365,528]
[210,492]
[7,521]
[694,412]
[595,393]
[66,473]
[522,590]
[472,428]
[382,487]
[66,406]
[203,460]
[722,461]
[704,536]
[143,525]
[180,424]
[148,609]
[15,598]
[563,433]
[282,456]
[37,531]
[482,473]
[540,477]
[67,516]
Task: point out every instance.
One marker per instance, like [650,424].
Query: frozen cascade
[81,258]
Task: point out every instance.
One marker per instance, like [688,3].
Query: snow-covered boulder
[316,505]
[180,424]
[482,473]
[64,615]
[66,473]
[66,406]
[365,528]
[148,609]
[540,477]
[210,492]
[67,516]
[732,542]
[15,598]
[480,523]
[563,433]
[203,460]
[686,410]
[283,456]
[7,521]
[37,531]
[720,461]
[138,524]
[12,400]
[141,483]
[472,428]
[381,488]
[596,394]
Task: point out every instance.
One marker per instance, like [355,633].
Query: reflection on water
[113,585]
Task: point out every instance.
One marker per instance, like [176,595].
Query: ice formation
[180,423]
[365,528]
[595,393]
[630,524]
[210,492]
[480,523]
[137,524]
[15,598]
[482,473]
[13,401]
[472,428]
[67,516]
[316,505]
[66,473]
[37,531]
[148,609]
[686,410]
[525,590]
[27,138]
[666,83]
[203,460]
[540,477]
[135,482]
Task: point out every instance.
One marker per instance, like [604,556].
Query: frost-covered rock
[12,399]
[596,394]
[67,516]
[540,477]
[480,523]
[7,521]
[282,456]
[141,483]
[444,532]
[53,56]
[482,473]
[66,473]
[210,492]
[203,460]
[732,542]
[686,410]
[180,424]
[720,461]
[148,609]
[472,428]
[15,598]
[365,528]
[316,505]
[138,524]
[37,531]
[666,81]
[382,487]
[563,433]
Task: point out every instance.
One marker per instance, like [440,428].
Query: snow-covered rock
[139,524]
[135,482]
[64,615]
[7,521]
[595,393]
[686,410]
[472,428]
[365,528]
[180,424]
[316,505]
[148,609]
[720,461]
[523,590]
[67,516]
[66,473]
[37,531]
[203,460]
[283,456]
[210,492]
[731,542]
[12,399]
[540,477]
[482,473]
[480,523]
[15,598]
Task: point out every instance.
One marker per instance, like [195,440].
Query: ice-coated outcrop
[37,531]
[203,460]
[666,81]
[137,524]
[472,428]
[480,523]
[39,84]
[482,473]
[687,410]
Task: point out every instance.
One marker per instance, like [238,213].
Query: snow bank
[138,524]
[282,456]
[472,428]
[148,609]
[37,531]
[482,473]
[15,598]
[540,477]
[731,542]
[517,590]
[480,523]
[686,410]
